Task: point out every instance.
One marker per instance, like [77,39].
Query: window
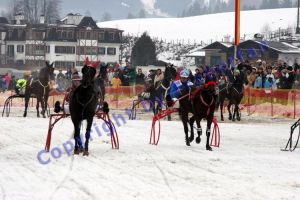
[10,50]
[64,35]
[20,48]
[19,62]
[101,50]
[79,63]
[101,36]
[64,64]
[88,35]
[111,51]
[70,35]
[65,49]
[111,36]
[47,49]
[82,35]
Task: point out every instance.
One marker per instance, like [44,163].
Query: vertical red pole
[237,22]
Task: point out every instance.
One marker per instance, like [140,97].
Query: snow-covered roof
[196,54]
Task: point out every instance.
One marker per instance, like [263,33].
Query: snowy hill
[207,28]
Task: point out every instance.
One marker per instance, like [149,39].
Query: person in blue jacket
[179,85]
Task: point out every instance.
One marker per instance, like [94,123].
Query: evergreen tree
[144,51]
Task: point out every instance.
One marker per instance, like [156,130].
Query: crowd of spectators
[259,75]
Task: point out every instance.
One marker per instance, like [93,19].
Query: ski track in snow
[65,179]
[163,174]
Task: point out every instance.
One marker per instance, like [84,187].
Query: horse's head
[89,72]
[47,73]
[210,83]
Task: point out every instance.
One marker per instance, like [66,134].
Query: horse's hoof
[191,139]
[233,119]
[77,152]
[198,140]
[85,153]
[239,119]
[230,118]
[208,148]
[187,142]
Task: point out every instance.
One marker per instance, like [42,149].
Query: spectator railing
[261,102]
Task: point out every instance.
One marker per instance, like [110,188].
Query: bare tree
[32,9]
[52,8]
[266,29]
[106,17]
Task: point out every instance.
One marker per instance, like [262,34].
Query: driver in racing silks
[177,86]
[20,86]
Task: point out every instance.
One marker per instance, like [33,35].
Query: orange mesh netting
[273,103]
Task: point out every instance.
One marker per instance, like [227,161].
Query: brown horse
[40,88]
[201,103]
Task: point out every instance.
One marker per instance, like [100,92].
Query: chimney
[42,19]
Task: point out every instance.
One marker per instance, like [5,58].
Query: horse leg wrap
[207,132]
[78,140]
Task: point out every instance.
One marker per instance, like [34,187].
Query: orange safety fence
[274,103]
[266,102]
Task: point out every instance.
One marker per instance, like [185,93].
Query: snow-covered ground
[207,28]
[248,165]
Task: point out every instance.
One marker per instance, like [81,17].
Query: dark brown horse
[40,88]
[201,103]
[83,106]
[234,94]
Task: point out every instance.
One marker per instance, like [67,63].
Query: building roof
[88,22]
[3,20]
[196,54]
[218,45]
[280,47]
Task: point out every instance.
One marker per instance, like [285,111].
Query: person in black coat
[140,77]
[170,72]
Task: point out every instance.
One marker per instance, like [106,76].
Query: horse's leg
[78,143]
[238,114]
[44,105]
[192,120]
[235,112]
[37,107]
[229,112]
[184,119]
[221,109]
[87,136]
[199,131]
[27,98]
[209,121]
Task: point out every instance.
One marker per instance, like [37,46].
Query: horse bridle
[206,104]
